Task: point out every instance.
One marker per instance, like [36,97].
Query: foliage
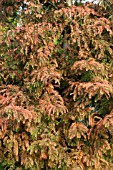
[56,86]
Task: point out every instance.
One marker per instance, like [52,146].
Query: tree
[56,86]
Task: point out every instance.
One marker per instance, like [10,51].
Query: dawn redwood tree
[56,86]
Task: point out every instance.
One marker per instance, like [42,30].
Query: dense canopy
[56,85]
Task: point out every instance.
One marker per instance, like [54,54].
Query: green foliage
[56,86]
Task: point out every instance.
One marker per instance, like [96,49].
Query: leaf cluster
[56,87]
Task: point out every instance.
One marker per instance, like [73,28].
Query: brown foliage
[56,88]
